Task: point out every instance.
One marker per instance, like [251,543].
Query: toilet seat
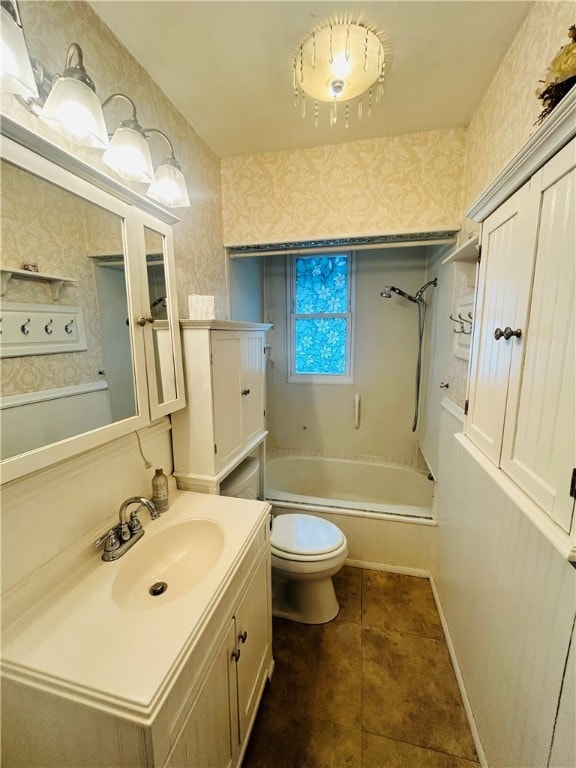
[305,537]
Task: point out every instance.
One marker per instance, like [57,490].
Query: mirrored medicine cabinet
[89,333]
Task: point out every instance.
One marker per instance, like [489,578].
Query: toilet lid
[305,535]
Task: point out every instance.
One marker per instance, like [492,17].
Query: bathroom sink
[165,565]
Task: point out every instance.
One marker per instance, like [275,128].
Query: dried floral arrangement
[560,77]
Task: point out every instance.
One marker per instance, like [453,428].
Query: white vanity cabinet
[224,370]
[175,686]
[216,730]
[521,412]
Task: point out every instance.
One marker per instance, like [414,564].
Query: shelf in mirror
[56,281]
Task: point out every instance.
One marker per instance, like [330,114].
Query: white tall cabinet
[224,421]
[522,392]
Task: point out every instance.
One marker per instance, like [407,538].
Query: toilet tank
[242,482]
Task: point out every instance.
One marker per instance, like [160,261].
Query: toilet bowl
[306,552]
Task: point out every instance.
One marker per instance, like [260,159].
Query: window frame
[292,316]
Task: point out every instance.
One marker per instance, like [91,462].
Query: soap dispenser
[160,491]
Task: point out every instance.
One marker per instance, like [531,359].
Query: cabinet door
[226,387]
[508,243]
[253,390]
[207,739]
[539,445]
[254,642]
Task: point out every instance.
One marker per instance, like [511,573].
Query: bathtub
[339,486]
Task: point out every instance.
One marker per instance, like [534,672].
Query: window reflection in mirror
[48,394]
[159,310]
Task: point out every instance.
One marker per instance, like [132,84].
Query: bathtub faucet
[118,540]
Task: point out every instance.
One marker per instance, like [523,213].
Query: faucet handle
[109,540]
[135,525]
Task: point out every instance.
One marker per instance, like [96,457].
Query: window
[321,318]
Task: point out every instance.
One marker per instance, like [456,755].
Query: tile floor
[374,688]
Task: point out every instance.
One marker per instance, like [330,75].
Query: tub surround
[80,645]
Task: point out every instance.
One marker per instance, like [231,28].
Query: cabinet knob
[245,391]
[236,654]
[143,320]
[508,333]
[243,636]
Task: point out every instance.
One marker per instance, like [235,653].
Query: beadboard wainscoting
[508,600]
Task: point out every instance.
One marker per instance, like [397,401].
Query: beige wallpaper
[48,225]
[506,117]
[392,184]
[50,28]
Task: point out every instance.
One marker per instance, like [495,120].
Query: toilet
[306,552]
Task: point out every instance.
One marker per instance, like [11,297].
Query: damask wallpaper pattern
[392,184]
[50,226]
[507,115]
[50,28]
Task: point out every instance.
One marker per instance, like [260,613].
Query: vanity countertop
[81,644]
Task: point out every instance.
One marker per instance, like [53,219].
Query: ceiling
[227,64]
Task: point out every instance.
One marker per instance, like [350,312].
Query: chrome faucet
[118,540]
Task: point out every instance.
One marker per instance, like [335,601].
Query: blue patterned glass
[321,288]
[321,284]
[321,346]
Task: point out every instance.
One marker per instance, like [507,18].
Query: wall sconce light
[128,153]
[72,107]
[169,185]
[68,104]
[16,75]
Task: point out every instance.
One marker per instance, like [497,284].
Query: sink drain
[158,588]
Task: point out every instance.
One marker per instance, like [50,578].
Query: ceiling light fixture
[339,63]
[169,185]
[128,153]
[72,107]
[16,75]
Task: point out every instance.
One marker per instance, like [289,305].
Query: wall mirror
[89,334]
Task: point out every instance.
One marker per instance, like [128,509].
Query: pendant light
[16,74]
[72,107]
[169,185]
[128,153]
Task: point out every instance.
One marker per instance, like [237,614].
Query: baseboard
[459,678]
[389,568]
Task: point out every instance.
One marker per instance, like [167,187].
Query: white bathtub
[313,483]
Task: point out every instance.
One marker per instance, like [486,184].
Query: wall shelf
[56,281]
[467,253]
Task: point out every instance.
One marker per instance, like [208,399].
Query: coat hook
[24,329]
[47,327]
[68,326]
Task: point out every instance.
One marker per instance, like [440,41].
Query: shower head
[390,289]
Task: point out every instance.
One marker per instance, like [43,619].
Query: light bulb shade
[339,62]
[16,75]
[73,109]
[129,156]
[169,187]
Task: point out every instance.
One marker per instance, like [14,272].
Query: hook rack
[463,322]
[41,329]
